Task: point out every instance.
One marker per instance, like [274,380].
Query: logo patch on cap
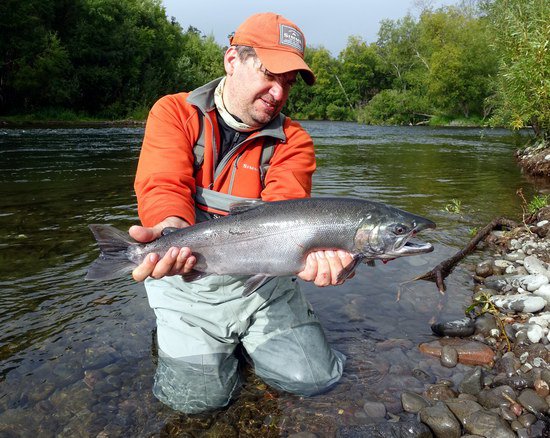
[291,37]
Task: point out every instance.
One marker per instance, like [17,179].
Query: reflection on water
[76,356]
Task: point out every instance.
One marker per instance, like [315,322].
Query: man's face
[251,92]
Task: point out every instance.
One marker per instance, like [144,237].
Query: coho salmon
[269,239]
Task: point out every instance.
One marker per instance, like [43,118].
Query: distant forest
[479,62]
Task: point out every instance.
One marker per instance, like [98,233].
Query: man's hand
[176,261]
[323,267]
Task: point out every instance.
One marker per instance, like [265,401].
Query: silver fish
[269,239]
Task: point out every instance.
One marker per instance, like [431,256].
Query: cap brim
[278,62]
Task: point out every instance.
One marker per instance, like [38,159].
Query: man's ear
[230,58]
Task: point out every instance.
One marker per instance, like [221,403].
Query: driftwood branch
[442,270]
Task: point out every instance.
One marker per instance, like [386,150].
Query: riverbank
[535,159]
[505,339]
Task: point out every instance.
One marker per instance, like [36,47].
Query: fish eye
[400,229]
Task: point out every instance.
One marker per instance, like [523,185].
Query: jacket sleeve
[291,168]
[164,182]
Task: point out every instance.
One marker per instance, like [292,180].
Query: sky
[327,24]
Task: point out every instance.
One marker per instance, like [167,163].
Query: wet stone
[484,324]
[401,429]
[441,421]
[471,383]
[484,268]
[439,392]
[469,352]
[495,397]
[507,413]
[488,424]
[412,402]
[457,328]
[533,402]
[516,381]
[374,409]
[541,387]
[462,409]
[527,419]
[422,376]
[449,356]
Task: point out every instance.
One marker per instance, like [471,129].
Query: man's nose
[277,91]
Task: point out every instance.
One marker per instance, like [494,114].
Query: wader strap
[198,149]
[217,200]
[267,152]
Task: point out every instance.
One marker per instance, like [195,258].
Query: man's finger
[142,234]
[324,276]
[310,270]
[165,264]
[146,267]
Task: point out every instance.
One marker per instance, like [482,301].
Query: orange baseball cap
[278,42]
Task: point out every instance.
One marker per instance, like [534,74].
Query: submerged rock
[469,352]
[457,328]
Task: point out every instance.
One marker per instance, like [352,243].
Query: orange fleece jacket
[165,181]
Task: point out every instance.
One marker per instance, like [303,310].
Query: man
[224,142]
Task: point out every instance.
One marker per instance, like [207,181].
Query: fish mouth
[412,248]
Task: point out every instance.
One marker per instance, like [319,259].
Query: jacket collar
[203,99]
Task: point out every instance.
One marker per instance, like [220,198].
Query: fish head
[387,235]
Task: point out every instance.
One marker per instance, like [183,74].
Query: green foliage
[393,107]
[101,57]
[114,58]
[454,206]
[538,202]
[522,36]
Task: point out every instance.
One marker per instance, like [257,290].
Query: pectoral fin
[349,269]
[254,283]
[194,275]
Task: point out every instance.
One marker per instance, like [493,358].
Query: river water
[77,358]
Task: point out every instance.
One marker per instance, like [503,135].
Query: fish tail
[113,260]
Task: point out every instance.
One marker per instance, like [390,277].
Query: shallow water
[77,357]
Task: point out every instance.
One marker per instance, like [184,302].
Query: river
[78,357]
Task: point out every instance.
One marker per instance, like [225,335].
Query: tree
[460,61]
[521,35]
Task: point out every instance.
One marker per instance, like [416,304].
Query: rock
[491,398]
[462,409]
[374,409]
[401,429]
[517,382]
[541,388]
[533,402]
[441,421]
[439,392]
[457,328]
[519,303]
[515,256]
[484,269]
[534,266]
[449,356]
[488,424]
[527,420]
[469,352]
[526,282]
[471,383]
[535,333]
[422,376]
[543,292]
[484,324]
[412,402]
